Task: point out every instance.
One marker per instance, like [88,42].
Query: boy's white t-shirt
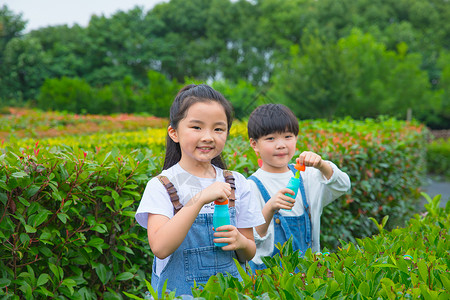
[319,193]
[156,200]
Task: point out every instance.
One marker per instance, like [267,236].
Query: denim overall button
[277,221]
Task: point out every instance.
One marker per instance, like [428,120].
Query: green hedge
[406,263]
[67,223]
[385,159]
[438,158]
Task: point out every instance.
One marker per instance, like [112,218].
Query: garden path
[434,187]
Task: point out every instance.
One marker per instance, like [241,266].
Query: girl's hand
[216,191]
[230,234]
[281,201]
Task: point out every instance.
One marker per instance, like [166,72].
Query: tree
[356,76]
[66,48]
[11,26]
[68,94]
[27,67]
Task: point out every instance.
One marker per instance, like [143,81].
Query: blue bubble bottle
[221,217]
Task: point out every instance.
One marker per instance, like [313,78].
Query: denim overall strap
[306,213]
[293,169]
[261,187]
[302,190]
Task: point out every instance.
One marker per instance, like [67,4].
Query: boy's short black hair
[271,118]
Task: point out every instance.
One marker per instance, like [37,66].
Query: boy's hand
[311,159]
[281,201]
[216,191]
[230,234]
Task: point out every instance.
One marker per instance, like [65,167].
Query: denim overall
[299,227]
[196,259]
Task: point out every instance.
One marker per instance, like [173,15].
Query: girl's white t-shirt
[319,193]
[156,200]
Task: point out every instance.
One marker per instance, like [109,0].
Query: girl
[177,206]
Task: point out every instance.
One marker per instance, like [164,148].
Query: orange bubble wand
[299,167]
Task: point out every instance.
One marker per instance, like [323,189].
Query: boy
[273,130]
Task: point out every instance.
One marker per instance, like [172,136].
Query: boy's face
[276,150]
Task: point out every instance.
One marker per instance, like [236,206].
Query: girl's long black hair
[187,96]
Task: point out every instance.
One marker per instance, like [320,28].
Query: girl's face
[276,150]
[201,134]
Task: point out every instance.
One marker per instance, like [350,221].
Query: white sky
[42,13]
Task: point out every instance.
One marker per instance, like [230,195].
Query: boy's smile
[276,150]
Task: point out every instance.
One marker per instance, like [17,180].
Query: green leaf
[151,290]
[132,193]
[19,175]
[133,296]
[364,289]
[115,195]
[46,251]
[128,213]
[43,278]
[245,277]
[69,282]
[4,282]
[31,191]
[24,201]
[63,217]
[119,256]
[41,217]
[55,270]
[106,198]
[445,278]
[101,228]
[26,289]
[24,237]
[423,270]
[29,229]
[45,292]
[124,276]
[320,292]
[385,266]
[127,203]
[311,270]
[56,196]
[101,273]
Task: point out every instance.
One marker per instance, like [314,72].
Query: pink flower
[260,162]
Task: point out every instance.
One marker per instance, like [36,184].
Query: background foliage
[67,216]
[326,58]
[407,263]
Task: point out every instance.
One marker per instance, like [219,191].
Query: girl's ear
[172,134]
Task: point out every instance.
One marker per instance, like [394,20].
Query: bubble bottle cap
[217,202]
